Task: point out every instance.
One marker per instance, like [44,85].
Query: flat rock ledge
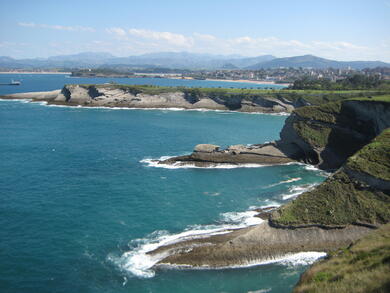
[206,155]
[254,245]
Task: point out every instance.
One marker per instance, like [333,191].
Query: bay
[76,196]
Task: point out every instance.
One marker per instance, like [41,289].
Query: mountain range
[181,60]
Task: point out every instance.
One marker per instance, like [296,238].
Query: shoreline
[252,246]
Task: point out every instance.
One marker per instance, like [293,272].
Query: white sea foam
[284,182]
[294,191]
[245,219]
[177,165]
[268,204]
[261,290]
[291,259]
[138,262]
[16,100]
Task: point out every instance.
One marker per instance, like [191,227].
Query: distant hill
[316,62]
[181,61]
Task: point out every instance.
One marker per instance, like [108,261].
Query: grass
[374,158]
[315,134]
[363,267]
[337,201]
[384,98]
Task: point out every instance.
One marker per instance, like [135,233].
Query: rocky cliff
[109,95]
[327,135]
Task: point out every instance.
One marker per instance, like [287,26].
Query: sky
[340,30]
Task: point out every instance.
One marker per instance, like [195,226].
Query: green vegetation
[384,98]
[337,201]
[326,113]
[361,268]
[343,200]
[374,158]
[353,82]
[315,134]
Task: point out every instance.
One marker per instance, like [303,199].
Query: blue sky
[341,30]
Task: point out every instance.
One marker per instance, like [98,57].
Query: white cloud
[57,27]
[172,38]
[204,37]
[120,32]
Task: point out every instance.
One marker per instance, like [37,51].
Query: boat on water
[13,82]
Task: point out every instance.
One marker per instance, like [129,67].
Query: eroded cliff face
[327,135]
[125,96]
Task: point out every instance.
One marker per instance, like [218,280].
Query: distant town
[275,75]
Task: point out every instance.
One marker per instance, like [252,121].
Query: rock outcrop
[208,155]
[254,245]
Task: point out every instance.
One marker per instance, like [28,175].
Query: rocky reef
[206,155]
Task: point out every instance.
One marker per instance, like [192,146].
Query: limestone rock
[206,148]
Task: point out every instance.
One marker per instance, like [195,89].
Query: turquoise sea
[80,202]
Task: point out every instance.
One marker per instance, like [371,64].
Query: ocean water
[80,202]
[47,82]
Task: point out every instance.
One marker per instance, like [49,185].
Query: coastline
[253,245]
[333,214]
[118,96]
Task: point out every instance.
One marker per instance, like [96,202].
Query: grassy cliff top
[314,97]
[328,112]
[341,200]
[374,158]
[363,267]
[315,122]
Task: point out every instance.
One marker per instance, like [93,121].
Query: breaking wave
[138,262]
[294,191]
